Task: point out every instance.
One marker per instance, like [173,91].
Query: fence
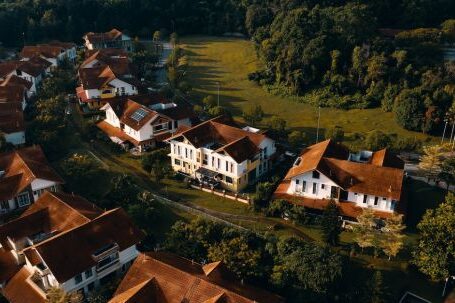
[223,193]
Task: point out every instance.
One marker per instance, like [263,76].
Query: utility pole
[319,119]
[451,134]
[444,132]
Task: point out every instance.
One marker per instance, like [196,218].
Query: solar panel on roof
[139,114]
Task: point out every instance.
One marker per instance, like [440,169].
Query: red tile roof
[13,80]
[12,94]
[80,243]
[164,277]
[21,289]
[331,159]
[238,143]
[11,118]
[23,166]
[48,51]
[111,35]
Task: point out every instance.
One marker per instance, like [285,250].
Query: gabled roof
[11,118]
[21,288]
[385,157]
[23,166]
[99,76]
[52,212]
[126,111]
[80,243]
[380,177]
[181,280]
[47,51]
[119,63]
[13,80]
[12,93]
[111,35]
[238,143]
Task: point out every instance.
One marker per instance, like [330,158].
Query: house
[106,57]
[12,124]
[25,175]
[54,52]
[111,39]
[328,170]
[103,82]
[215,153]
[15,81]
[33,70]
[165,277]
[64,241]
[142,121]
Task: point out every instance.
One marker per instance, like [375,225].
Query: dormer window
[316,174]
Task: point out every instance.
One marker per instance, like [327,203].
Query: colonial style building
[12,124]
[142,121]
[24,176]
[165,277]
[64,241]
[327,170]
[217,153]
[111,39]
[54,52]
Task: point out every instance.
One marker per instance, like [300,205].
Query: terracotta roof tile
[21,289]
[11,118]
[180,280]
[80,243]
[13,80]
[111,35]
[12,94]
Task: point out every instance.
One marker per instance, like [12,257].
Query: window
[365,199]
[177,162]
[219,163]
[232,168]
[206,159]
[384,199]
[186,152]
[88,273]
[4,205]
[78,279]
[23,200]
[297,181]
[229,180]
[376,199]
[303,186]
[227,166]
[322,186]
[356,194]
[314,188]
[316,174]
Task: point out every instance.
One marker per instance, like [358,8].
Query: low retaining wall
[223,194]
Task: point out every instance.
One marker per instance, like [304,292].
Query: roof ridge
[69,206]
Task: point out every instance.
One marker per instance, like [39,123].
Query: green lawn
[229,61]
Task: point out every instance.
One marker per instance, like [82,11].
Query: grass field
[228,61]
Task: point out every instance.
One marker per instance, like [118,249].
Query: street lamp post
[444,132]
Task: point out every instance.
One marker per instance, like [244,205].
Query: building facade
[216,153]
[360,180]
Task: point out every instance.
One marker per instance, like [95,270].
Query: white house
[54,52]
[111,39]
[33,70]
[68,243]
[24,176]
[105,82]
[214,152]
[327,170]
[142,121]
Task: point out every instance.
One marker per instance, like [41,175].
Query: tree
[209,102]
[435,251]
[336,133]
[218,111]
[409,109]
[278,208]
[391,237]
[58,295]
[253,114]
[277,125]
[240,255]
[297,213]
[296,139]
[365,233]
[157,36]
[305,265]
[431,160]
[376,140]
[375,291]
[157,163]
[331,223]
[447,173]
[262,193]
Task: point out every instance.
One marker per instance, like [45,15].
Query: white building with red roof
[214,152]
[328,170]
[111,39]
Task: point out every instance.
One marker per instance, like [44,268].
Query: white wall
[118,84]
[321,193]
[41,184]
[16,138]
[384,204]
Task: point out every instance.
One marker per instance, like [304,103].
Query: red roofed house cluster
[111,39]
[327,170]
[64,241]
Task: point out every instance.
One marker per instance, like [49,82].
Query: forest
[331,53]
